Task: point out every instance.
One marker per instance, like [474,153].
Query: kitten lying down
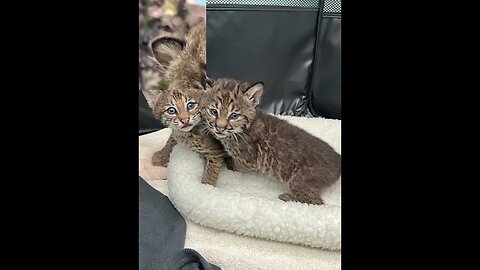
[256,141]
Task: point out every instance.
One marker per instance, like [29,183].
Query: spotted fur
[257,141]
[177,107]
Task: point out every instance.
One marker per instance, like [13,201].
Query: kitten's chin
[220,136]
[183,128]
[186,128]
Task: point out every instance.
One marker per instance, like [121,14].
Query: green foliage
[161,85]
[160,17]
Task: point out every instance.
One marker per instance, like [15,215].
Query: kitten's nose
[221,125]
[185,121]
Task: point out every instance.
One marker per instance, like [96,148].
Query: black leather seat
[295,49]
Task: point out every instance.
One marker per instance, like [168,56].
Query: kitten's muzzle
[220,129]
[220,135]
[186,128]
[187,125]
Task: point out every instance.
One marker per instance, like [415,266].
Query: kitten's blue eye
[214,112]
[233,116]
[171,110]
[191,105]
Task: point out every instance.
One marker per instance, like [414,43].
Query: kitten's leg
[302,194]
[305,189]
[212,169]
[229,163]
[307,184]
[235,166]
[286,197]
[160,158]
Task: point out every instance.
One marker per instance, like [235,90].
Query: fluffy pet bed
[248,204]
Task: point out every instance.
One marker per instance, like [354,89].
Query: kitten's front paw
[160,158]
[209,180]
[229,164]
[286,197]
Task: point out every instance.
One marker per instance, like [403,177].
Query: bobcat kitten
[177,107]
[257,141]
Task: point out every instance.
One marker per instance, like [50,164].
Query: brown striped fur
[257,141]
[184,61]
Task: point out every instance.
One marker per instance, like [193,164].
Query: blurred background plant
[158,17]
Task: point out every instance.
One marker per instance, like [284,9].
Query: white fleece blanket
[231,251]
[248,204]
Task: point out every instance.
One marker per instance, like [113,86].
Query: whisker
[235,136]
[241,136]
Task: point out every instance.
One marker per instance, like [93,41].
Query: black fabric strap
[316,52]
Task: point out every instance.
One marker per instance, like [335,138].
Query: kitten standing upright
[184,61]
[257,141]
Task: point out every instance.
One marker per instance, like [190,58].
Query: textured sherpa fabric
[248,204]
[232,251]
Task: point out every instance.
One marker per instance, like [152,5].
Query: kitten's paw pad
[286,197]
[160,159]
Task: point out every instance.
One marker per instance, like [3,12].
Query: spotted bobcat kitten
[257,141]
[177,107]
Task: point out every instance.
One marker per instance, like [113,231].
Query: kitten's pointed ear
[165,48]
[152,102]
[254,93]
